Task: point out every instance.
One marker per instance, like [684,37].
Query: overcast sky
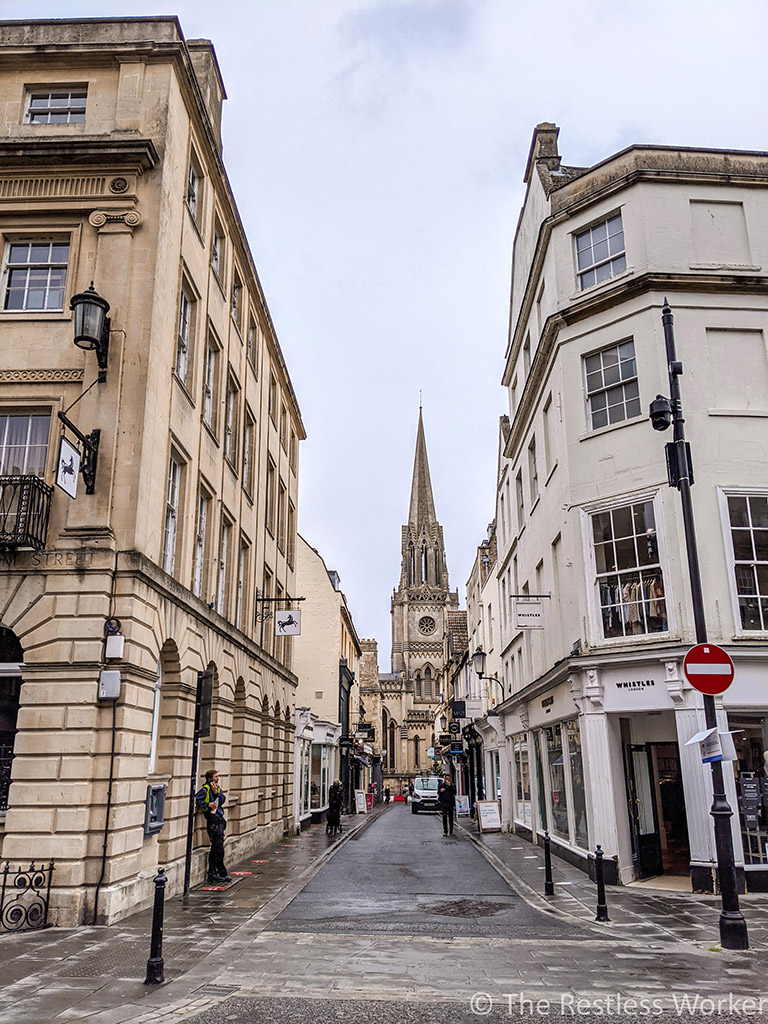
[376,149]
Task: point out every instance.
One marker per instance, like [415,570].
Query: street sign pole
[733,927]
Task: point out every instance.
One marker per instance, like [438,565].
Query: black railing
[26,893]
[6,760]
[25,504]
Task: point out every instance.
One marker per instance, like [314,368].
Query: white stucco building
[598,712]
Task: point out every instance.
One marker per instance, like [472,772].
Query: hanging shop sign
[529,615]
[68,468]
[454,728]
[288,623]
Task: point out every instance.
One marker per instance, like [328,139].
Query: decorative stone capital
[593,689]
[524,716]
[110,222]
[673,681]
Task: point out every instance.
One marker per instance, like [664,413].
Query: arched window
[155,719]
[391,748]
[438,568]
[384,737]
[411,565]
[424,563]
[416,753]
[418,684]
[427,681]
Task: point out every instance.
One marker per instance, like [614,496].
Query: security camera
[661,413]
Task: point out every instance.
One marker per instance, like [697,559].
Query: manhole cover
[465,908]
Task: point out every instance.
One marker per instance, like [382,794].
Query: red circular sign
[708,668]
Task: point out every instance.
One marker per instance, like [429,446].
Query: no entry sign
[708,668]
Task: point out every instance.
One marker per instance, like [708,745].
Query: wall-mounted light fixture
[92,326]
[478,660]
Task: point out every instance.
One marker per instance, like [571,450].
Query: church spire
[422,507]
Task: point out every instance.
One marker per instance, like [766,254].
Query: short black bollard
[602,907]
[155,965]
[549,885]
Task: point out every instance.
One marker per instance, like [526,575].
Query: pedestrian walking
[333,815]
[446,797]
[387,794]
[210,799]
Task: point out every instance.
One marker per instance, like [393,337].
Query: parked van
[425,794]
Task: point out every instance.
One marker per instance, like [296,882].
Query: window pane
[588,279]
[603,272]
[600,251]
[599,419]
[601,526]
[738,511]
[626,557]
[604,557]
[599,232]
[619,265]
[623,524]
[761,545]
[758,508]
[742,545]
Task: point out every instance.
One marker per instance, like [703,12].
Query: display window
[318,785]
[750,735]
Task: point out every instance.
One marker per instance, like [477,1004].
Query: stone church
[403,703]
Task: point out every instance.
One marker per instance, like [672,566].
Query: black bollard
[549,885]
[602,907]
[155,965]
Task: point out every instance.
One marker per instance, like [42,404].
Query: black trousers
[448,819]
[216,868]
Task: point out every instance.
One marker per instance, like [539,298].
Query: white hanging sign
[288,623]
[68,468]
[529,615]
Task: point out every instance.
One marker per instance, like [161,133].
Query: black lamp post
[478,660]
[666,412]
[92,325]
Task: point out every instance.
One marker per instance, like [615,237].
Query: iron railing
[25,504]
[26,894]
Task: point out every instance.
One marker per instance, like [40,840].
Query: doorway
[656,801]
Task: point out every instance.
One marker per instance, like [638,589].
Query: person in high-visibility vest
[211,799]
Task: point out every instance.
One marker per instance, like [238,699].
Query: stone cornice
[83,151]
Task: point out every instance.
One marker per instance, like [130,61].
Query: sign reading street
[708,668]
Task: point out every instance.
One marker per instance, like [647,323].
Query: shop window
[523,804]
[630,581]
[558,794]
[751,739]
[748,517]
[540,786]
[318,785]
[579,801]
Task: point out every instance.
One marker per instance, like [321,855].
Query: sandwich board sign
[489,815]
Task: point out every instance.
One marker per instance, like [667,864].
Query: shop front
[316,762]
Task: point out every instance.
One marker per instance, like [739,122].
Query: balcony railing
[25,504]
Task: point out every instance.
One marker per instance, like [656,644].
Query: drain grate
[465,908]
[129,960]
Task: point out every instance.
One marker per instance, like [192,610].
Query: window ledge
[184,389]
[248,495]
[232,466]
[217,279]
[748,635]
[35,314]
[210,433]
[551,473]
[755,413]
[614,643]
[599,431]
[535,502]
[581,292]
[195,225]
[747,267]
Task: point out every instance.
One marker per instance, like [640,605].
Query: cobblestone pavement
[393,914]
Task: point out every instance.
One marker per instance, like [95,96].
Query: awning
[362,760]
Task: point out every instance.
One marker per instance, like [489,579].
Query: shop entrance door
[646,839]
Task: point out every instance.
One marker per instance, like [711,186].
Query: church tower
[420,602]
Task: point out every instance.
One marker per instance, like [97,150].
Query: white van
[425,794]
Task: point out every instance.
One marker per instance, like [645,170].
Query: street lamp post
[666,412]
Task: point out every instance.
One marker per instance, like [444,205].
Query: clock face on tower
[427,624]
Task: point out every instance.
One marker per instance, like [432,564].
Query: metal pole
[602,906]
[733,927]
[155,965]
[191,811]
[549,885]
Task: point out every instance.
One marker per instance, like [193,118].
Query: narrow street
[391,922]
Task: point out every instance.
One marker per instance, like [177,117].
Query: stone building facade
[111,173]
[598,712]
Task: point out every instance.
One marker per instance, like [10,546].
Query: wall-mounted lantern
[92,326]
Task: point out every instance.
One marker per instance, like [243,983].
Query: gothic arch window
[418,684]
[384,730]
[411,564]
[438,568]
[427,681]
[416,753]
[391,759]
[424,578]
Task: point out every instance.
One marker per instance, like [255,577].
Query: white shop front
[598,755]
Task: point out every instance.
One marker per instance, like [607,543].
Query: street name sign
[708,668]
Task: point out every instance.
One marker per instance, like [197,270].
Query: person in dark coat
[446,797]
[333,816]
[211,800]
